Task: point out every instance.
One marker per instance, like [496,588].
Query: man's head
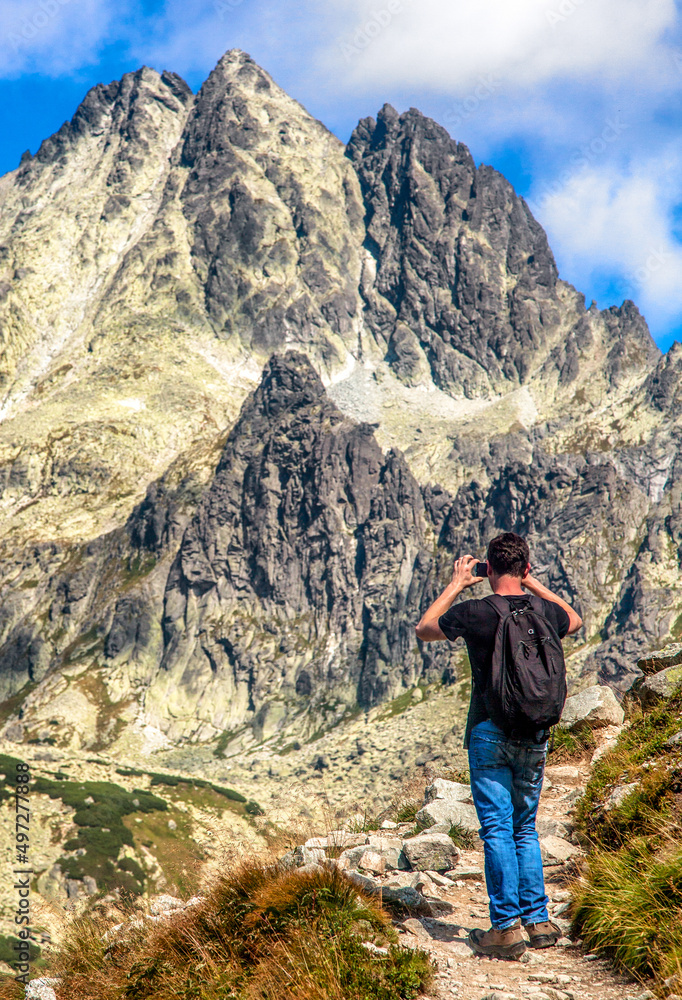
[508,555]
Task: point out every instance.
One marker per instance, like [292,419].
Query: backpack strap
[537,604]
[499,603]
[503,607]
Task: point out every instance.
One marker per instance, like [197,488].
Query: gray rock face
[42,989]
[555,851]
[669,656]
[448,803]
[271,574]
[618,795]
[596,706]
[309,550]
[442,233]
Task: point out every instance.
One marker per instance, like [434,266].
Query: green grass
[407,812]
[628,901]
[462,837]
[404,701]
[629,906]
[175,780]
[640,755]
[101,831]
[566,744]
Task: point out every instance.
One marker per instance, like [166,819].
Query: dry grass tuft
[261,932]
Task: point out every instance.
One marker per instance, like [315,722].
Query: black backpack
[526,691]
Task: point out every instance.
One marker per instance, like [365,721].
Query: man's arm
[428,629]
[537,588]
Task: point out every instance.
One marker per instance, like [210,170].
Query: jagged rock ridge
[157,252]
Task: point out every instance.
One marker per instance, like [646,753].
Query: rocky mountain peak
[117,108]
[443,234]
[289,381]
[259,389]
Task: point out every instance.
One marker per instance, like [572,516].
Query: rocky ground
[445,905]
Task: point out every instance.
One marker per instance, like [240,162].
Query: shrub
[566,744]
[101,831]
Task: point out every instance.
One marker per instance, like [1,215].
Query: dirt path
[563,972]
[560,973]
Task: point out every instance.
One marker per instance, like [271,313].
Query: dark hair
[508,553]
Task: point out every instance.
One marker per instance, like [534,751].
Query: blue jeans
[506,780]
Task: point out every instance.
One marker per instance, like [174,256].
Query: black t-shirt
[475,621]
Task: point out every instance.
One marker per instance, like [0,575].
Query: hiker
[507,756]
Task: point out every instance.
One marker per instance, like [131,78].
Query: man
[506,774]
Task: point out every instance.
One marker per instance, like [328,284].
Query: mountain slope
[210,537]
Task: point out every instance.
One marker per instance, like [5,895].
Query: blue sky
[577,102]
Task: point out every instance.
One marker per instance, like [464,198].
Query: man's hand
[462,573]
[428,629]
[574,620]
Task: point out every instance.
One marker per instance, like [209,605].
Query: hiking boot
[543,935]
[508,943]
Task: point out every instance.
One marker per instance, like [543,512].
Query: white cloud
[187,37]
[605,221]
[441,44]
[54,37]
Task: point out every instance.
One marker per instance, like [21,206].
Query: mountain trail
[564,972]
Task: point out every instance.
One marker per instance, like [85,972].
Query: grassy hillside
[628,903]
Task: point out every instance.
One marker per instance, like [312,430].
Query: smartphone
[481,569]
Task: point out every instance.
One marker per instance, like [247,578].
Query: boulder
[403,897]
[660,686]
[350,858]
[563,774]
[416,927]
[164,904]
[342,838]
[431,852]
[548,826]
[317,842]
[391,850]
[442,800]
[618,795]
[446,814]
[556,851]
[674,741]
[596,705]
[372,861]
[42,989]
[465,871]
[308,856]
[661,659]
[440,880]
[449,791]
